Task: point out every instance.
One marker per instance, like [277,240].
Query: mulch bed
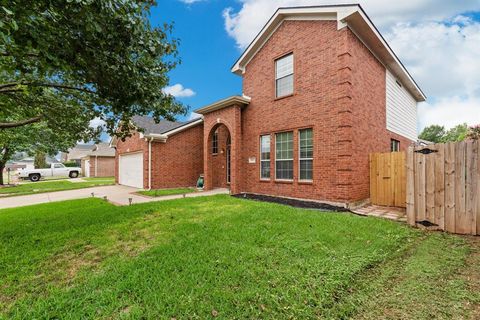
[291,202]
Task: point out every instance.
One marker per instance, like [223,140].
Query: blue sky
[206,50]
[438,41]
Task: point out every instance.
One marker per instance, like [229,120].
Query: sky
[438,41]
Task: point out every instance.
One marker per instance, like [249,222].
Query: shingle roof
[149,126]
[79,151]
[103,150]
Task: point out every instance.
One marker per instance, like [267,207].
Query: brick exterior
[339,92]
[176,163]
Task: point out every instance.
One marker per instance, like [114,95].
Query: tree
[101,56]
[433,133]
[474,132]
[40,160]
[457,133]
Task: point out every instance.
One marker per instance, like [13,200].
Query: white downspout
[150,164]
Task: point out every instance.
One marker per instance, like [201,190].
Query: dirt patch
[292,202]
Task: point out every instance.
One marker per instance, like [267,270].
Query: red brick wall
[106,166]
[339,91]
[179,162]
[176,163]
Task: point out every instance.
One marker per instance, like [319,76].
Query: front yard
[51,186]
[223,257]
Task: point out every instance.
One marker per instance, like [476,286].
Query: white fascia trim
[185,127]
[301,13]
[390,51]
[156,137]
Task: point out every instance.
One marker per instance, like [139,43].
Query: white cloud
[97,122]
[244,24]
[450,112]
[439,46]
[178,91]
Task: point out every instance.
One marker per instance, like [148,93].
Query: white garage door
[130,170]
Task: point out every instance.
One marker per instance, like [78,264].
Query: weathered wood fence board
[443,186]
[387,179]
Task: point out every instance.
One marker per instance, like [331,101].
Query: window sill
[307,182]
[284,97]
[214,154]
[284,181]
[265,180]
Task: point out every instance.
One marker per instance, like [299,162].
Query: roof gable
[348,15]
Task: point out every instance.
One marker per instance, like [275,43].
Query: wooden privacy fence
[388,179]
[443,187]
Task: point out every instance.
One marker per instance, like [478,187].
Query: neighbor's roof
[346,15]
[103,150]
[79,151]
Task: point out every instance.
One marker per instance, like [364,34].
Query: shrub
[474,132]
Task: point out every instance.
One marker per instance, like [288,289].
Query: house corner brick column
[344,131]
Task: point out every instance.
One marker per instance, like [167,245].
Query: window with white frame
[215,142]
[284,76]
[306,154]
[265,157]
[394,145]
[284,156]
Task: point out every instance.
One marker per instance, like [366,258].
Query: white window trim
[300,157]
[290,74]
[293,160]
[269,160]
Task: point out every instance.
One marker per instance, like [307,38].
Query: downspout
[150,164]
[96,165]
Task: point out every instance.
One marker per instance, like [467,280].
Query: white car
[56,170]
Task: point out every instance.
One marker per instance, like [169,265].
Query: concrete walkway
[118,195]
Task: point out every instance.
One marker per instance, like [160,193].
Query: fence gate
[443,187]
[388,179]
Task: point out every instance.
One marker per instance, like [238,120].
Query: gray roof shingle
[149,126]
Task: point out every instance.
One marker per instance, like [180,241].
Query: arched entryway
[219,157]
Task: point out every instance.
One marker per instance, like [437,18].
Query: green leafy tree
[457,133]
[433,133]
[101,58]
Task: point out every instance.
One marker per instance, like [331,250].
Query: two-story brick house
[321,90]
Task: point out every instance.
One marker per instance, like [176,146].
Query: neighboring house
[76,153]
[321,91]
[27,163]
[99,162]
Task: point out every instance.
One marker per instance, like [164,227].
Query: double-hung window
[284,156]
[284,76]
[215,142]
[265,157]
[306,154]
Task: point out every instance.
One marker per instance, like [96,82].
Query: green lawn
[103,179]
[50,186]
[166,192]
[197,258]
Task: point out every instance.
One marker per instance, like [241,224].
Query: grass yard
[50,186]
[200,258]
[166,192]
[103,179]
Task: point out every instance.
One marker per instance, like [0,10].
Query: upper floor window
[215,142]
[306,154]
[394,145]
[265,157]
[284,156]
[284,76]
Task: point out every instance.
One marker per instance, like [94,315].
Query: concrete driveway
[118,195]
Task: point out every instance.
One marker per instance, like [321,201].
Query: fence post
[410,187]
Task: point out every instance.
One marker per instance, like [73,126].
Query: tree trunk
[2,166]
